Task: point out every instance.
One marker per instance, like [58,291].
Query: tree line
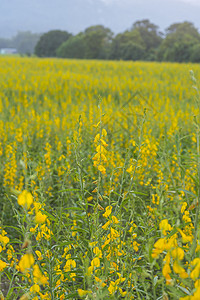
[143,41]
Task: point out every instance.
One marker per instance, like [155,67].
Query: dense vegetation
[99,180]
[144,41]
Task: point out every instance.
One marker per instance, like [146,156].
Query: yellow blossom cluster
[148,183]
[100,157]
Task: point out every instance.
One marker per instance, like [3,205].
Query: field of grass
[99,180]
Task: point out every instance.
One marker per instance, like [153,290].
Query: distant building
[8,51]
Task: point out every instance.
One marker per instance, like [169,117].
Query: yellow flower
[92,244]
[167,258]
[185,238]
[115,220]
[197,283]
[122,293]
[83,293]
[184,205]
[166,270]
[97,252]
[2,265]
[179,270]
[108,211]
[177,253]
[112,287]
[40,218]
[37,273]
[25,199]
[97,124]
[113,233]
[39,254]
[4,240]
[62,297]
[130,169]
[35,288]
[105,226]
[26,262]
[159,247]
[101,149]
[196,294]
[135,246]
[104,143]
[102,169]
[195,273]
[100,281]
[95,262]
[104,132]
[89,271]
[168,279]
[165,226]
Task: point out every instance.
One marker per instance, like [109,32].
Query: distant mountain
[76,15]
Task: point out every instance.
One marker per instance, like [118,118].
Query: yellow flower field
[99,180]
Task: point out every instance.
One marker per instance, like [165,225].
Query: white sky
[76,15]
[193,2]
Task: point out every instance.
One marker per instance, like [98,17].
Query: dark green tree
[50,41]
[195,53]
[126,46]
[150,35]
[74,47]
[93,43]
[98,41]
[179,42]
[132,51]
[182,28]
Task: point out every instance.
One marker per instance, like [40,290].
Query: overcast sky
[76,15]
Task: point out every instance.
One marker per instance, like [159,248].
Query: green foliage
[74,47]
[149,34]
[94,43]
[49,42]
[179,42]
[123,44]
[144,41]
[132,51]
[195,53]
[140,43]
[97,39]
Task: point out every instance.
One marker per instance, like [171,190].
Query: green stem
[194,245]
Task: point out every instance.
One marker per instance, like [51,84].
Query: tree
[149,33]
[50,41]
[74,47]
[98,40]
[181,28]
[124,46]
[179,42]
[195,53]
[132,51]
[93,43]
